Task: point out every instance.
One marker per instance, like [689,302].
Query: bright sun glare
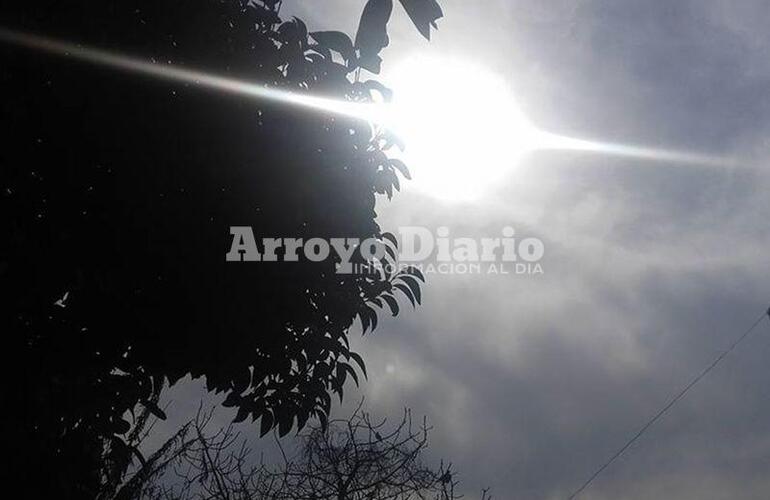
[464,131]
[461,125]
[462,128]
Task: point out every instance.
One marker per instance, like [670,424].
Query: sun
[462,128]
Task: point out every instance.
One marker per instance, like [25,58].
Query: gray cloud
[651,268]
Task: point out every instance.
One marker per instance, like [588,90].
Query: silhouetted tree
[352,459]
[117,195]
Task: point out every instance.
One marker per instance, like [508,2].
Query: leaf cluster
[117,192]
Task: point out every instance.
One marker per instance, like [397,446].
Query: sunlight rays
[182,75]
[560,142]
[463,130]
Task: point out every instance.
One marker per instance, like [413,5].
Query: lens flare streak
[199,78]
[535,139]
[548,141]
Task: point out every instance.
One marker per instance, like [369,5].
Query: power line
[665,409]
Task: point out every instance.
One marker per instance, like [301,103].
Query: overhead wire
[668,406]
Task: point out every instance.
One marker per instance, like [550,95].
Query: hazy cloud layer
[651,268]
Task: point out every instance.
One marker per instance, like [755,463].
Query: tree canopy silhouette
[357,458]
[117,197]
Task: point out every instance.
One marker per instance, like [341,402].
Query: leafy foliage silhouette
[117,195]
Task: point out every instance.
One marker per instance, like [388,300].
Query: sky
[651,268]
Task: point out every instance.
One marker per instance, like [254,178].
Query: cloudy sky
[651,268]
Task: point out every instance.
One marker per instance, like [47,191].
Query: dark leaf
[423,13]
[406,292]
[342,374]
[401,167]
[393,179]
[302,28]
[302,417]
[232,399]
[371,62]
[365,321]
[385,92]
[265,423]
[285,424]
[339,389]
[373,317]
[243,412]
[391,252]
[392,302]
[360,362]
[351,371]
[391,238]
[336,41]
[120,426]
[154,409]
[413,285]
[416,272]
[293,32]
[323,419]
[372,35]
